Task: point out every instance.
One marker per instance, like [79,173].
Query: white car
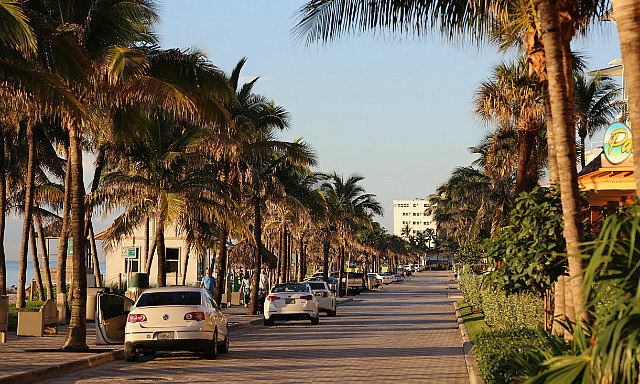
[293,301]
[175,318]
[386,278]
[324,296]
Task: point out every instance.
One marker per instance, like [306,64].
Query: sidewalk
[28,359]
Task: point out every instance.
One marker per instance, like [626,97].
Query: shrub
[497,351]
[504,311]
[471,287]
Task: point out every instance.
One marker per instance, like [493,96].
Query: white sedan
[293,301]
[386,277]
[175,318]
[326,299]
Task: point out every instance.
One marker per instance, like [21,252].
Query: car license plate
[289,301]
[164,336]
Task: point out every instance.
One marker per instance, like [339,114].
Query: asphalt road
[407,332]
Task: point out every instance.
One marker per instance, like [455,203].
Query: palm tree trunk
[45,256]
[301,273]
[559,309]
[94,256]
[160,250]
[326,245]
[36,265]
[257,260]
[527,139]
[341,272]
[564,131]
[145,246]
[26,226]
[627,15]
[63,244]
[281,255]
[3,209]
[185,264]
[147,267]
[551,144]
[221,266]
[77,336]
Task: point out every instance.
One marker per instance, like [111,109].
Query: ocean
[13,270]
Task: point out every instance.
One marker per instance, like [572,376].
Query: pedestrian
[264,281]
[245,288]
[208,281]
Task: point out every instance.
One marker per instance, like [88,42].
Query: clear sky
[396,112]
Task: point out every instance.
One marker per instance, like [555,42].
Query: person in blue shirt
[208,281]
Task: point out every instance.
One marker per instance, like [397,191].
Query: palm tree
[626,13]
[349,203]
[511,96]
[406,231]
[595,107]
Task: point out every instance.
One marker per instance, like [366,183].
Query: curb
[54,370]
[467,347]
[244,324]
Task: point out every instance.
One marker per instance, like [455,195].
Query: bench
[4,318]
[35,323]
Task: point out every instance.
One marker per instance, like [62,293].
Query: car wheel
[224,348]
[315,320]
[130,353]
[330,313]
[212,352]
[268,322]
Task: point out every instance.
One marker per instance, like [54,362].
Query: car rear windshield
[152,299]
[316,285]
[291,288]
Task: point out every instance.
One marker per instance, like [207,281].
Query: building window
[172,258]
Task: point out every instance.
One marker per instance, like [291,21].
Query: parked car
[292,301]
[172,318]
[397,278]
[374,282]
[353,282]
[385,277]
[326,299]
[332,282]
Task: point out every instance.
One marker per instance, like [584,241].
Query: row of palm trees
[175,140]
[543,29]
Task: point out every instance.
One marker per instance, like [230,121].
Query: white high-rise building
[413,213]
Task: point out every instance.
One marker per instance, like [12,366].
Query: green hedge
[502,311]
[502,354]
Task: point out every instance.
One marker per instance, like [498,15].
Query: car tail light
[136,318]
[272,298]
[197,316]
[307,297]
[325,294]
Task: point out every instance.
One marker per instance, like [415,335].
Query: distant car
[175,318]
[397,278]
[326,299]
[385,277]
[374,281]
[332,282]
[292,301]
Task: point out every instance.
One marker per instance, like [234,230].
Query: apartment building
[413,213]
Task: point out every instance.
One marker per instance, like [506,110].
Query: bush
[471,287]
[497,351]
[501,311]
[504,311]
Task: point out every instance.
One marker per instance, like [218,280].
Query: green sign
[70,248]
[128,252]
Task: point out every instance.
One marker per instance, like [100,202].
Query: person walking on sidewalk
[208,281]
[245,288]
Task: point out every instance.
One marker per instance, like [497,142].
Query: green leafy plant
[524,255]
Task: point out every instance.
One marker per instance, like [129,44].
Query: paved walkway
[22,354]
[407,332]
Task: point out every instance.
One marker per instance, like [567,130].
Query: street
[407,332]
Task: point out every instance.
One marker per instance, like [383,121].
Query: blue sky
[397,112]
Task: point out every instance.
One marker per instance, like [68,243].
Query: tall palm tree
[511,97]
[349,203]
[627,16]
[595,105]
